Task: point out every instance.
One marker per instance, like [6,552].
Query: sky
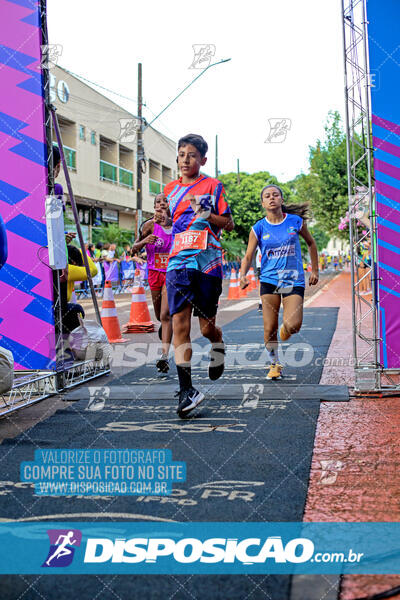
[267,105]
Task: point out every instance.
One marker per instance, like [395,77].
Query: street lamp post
[224,60]
[140,148]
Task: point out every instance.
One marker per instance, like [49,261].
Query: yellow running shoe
[283,334]
[275,371]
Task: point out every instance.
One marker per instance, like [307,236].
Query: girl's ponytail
[302,210]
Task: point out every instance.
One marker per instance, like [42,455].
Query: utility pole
[238,173]
[139,153]
[216,157]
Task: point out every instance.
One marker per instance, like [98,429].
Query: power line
[99,86]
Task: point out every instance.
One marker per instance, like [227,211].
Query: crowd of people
[120,267]
[116,266]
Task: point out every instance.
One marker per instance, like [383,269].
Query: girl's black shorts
[289,290]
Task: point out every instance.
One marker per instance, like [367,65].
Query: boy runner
[199,212]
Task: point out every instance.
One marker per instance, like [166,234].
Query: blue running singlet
[281,261]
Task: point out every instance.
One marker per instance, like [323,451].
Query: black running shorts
[271,288]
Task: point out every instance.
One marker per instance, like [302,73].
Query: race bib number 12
[160,261]
[190,240]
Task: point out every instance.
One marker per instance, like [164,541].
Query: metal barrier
[32,386]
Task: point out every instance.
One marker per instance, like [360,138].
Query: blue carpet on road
[248,458]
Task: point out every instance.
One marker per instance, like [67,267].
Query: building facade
[337,247]
[99,139]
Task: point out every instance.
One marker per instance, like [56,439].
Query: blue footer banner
[198,548]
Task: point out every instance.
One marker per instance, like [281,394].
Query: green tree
[325,187]
[233,247]
[321,239]
[113,234]
[244,199]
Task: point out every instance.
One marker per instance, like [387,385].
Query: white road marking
[240,306]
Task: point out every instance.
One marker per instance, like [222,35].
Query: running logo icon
[278,129]
[203,54]
[62,547]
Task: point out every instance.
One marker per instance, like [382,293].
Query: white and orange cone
[253,283]
[243,292]
[233,292]
[139,318]
[109,318]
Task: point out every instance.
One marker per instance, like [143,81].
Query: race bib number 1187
[190,240]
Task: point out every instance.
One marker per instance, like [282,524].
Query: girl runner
[282,273]
[156,237]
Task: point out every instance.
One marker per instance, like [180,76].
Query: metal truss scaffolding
[31,386]
[370,375]
[362,217]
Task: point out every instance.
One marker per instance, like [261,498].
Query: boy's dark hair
[195,140]
[75,256]
[56,156]
[99,245]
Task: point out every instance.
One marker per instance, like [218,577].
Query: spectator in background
[111,263]
[364,268]
[335,263]
[104,261]
[237,265]
[76,269]
[76,272]
[225,266]
[98,249]
[58,188]
[90,250]
[141,264]
[127,253]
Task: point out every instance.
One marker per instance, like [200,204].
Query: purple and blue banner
[26,287]
[384,55]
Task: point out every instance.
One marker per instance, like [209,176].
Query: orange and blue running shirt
[208,261]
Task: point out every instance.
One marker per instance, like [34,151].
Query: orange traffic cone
[109,317]
[233,292]
[139,318]
[243,292]
[253,283]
